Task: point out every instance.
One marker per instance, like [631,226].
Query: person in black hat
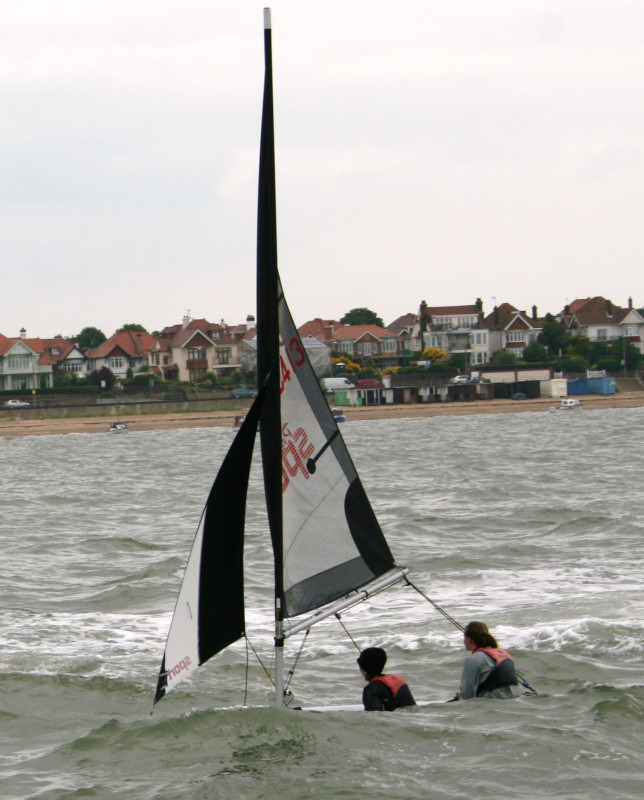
[382,692]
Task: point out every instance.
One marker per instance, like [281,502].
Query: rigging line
[310,464]
[268,674]
[291,672]
[339,618]
[435,605]
[522,678]
[246,675]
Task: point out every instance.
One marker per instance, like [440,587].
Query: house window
[368,348]
[515,336]
[73,366]
[166,360]
[19,382]
[630,330]
[116,363]
[19,362]
[389,346]
[602,334]
[197,353]
[345,347]
[223,355]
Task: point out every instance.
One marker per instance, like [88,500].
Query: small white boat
[118,427]
[567,404]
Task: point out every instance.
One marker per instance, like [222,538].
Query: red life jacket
[495,653]
[504,673]
[391,681]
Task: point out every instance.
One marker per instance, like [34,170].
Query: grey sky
[426,150]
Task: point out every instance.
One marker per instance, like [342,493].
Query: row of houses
[187,351]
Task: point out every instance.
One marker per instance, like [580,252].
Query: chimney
[609,308]
[186,321]
[139,346]
[23,333]
[479,305]
[496,316]
[630,302]
[534,313]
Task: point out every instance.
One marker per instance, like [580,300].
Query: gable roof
[133,343]
[402,326]
[599,311]
[355,332]
[507,316]
[321,329]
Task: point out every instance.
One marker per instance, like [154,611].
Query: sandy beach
[11,425]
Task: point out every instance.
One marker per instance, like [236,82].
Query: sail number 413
[294,356]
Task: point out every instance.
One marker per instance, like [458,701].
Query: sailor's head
[478,635]
[372,661]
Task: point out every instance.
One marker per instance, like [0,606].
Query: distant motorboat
[567,404]
[338,415]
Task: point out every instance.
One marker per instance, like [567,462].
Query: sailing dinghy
[329,551]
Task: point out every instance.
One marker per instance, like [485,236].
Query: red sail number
[295,355]
[296,449]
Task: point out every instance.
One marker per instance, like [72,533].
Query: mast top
[267,18]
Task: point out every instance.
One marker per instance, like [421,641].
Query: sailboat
[329,550]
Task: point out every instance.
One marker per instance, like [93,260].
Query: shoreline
[10,428]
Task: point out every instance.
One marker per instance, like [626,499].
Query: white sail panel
[332,542]
[182,647]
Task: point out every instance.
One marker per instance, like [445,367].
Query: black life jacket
[504,672]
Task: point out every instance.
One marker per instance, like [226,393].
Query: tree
[66,377]
[362,316]
[102,376]
[132,326]
[433,354]
[554,336]
[535,353]
[503,358]
[88,338]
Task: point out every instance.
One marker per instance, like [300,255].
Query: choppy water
[531,522]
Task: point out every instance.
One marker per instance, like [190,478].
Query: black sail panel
[209,614]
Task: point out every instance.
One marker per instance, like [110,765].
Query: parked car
[243,392]
[460,379]
[17,404]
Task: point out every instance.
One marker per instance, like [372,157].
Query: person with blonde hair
[489,671]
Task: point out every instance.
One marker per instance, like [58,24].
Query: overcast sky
[426,150]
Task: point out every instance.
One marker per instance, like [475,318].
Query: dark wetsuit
[386,693]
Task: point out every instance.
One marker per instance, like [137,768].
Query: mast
[268,345]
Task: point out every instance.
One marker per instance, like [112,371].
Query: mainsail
[327,542]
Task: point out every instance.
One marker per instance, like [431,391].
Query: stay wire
[339,618]
[457,624]
[268,674]
[291,672]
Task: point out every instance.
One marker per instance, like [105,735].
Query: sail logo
[296,449]
[184,664]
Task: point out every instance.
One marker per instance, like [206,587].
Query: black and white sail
[327,542]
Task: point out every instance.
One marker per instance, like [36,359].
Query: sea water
[533,523]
